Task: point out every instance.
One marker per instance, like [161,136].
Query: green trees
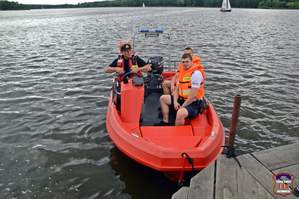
[294,4]
[11,5]
[201,3]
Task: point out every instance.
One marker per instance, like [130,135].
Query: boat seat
[177,137]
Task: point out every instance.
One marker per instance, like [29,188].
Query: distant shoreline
[146,7]
[256,4]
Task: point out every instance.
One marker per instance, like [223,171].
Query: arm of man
[143,65]
[173,82]
[112,68]
[175,98]
[196,80]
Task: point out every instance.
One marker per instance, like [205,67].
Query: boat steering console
[137,78]
[154,79]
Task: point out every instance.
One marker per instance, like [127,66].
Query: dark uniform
[140,62]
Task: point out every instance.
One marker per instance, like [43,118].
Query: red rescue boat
[132,113]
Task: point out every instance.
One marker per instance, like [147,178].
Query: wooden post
[233,126]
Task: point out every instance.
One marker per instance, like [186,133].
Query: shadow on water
[135,176]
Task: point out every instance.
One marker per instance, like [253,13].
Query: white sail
[143,5]
[225,6]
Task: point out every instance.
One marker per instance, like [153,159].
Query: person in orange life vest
[188,95]
[169,85]
[127,62]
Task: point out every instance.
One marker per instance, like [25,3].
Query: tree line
[293,4]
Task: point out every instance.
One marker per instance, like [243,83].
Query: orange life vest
[121,62]
[132,63]
[195,61]
[184,82]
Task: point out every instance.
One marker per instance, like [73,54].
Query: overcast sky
[52,1]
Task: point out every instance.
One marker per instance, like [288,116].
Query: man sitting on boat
[188,96]
[169,85]
[127,62]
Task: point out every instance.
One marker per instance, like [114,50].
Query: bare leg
[180,116]
[166,85]
[165,101]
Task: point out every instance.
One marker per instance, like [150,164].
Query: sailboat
[225,6]
[143,5]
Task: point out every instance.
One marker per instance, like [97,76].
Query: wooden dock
[225,179]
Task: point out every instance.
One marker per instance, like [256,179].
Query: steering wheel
[124,77]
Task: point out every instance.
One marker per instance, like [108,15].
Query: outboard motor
[154,79]
[157,64]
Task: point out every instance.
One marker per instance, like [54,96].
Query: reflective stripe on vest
[185,83]
[121,62]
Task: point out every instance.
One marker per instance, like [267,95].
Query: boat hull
[151,147]
[225,10]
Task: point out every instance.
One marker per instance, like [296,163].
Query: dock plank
[202,184]
[279,157]
[259,172]
[249,188]
[182,193]
[226,178]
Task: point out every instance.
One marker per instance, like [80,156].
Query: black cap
[125,47]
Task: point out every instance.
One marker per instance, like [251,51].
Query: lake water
[53,92]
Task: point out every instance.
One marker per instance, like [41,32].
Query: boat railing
[171,65]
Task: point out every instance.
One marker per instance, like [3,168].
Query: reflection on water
[53,93]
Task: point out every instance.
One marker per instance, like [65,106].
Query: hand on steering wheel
[135,69]
[124,77]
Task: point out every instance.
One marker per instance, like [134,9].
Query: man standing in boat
[188,96]
[127,62]
[169,85]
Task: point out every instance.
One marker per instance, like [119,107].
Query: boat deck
[150,110]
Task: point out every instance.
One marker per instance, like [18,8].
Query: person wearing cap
[127,62]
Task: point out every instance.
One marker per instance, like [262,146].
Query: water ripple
[53,92]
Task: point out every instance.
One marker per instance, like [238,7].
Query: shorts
[194,109]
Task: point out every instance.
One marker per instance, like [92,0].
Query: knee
[165,84]
[163,98]
[182,113]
